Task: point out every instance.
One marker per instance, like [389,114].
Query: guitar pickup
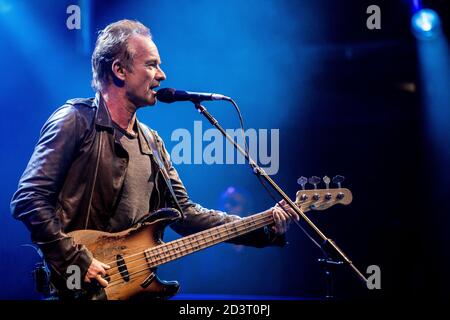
[122,267]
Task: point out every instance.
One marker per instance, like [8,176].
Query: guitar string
[185,238]
[176,242]
[159,253]
[196,234]
[189,238]
[155,251]
[158,262]
[173,255]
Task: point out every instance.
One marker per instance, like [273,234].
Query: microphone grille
[166,95]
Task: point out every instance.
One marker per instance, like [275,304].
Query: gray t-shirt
[137,187]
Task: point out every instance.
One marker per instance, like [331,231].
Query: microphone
[169,95]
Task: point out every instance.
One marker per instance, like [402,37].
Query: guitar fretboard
[181,247]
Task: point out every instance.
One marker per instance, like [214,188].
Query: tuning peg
[314,180]
[302,181]
[326,180]
[338,180]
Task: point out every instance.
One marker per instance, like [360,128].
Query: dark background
[371,105]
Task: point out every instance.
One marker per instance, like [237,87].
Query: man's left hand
[282,217]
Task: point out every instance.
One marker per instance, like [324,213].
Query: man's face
[145,74]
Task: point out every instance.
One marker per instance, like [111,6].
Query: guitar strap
[151,138]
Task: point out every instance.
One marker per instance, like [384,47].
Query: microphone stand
[261,173]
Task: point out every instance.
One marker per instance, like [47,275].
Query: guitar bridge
[148,281]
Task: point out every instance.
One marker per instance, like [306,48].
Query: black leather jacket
[74,178]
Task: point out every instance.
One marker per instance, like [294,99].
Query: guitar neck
[317,199]
[207,238]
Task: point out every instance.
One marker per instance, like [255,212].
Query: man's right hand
[96,270]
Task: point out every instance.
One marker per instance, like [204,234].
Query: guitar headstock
[321,199]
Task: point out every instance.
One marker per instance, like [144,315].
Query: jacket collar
[143,139]
[103,118]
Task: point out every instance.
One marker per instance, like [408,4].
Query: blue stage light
[5,6]
[425,24]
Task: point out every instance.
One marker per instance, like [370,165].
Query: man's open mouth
[152,89]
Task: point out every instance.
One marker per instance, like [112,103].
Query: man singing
[97,167]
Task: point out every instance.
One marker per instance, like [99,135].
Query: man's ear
[118,70]
[118,73]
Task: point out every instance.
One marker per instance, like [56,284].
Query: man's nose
[160,75]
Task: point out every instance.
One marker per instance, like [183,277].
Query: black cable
[241,120]
[258,175]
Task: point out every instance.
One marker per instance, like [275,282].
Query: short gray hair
[112,44]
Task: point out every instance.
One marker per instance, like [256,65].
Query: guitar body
[130,275]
